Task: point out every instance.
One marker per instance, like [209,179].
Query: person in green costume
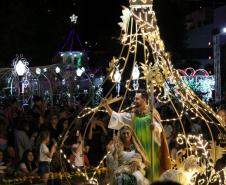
[148,130]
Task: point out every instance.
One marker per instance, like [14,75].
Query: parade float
[144,51]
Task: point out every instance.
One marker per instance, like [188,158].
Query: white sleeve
[157,127]
[118,120]
[157,132]
[44,149]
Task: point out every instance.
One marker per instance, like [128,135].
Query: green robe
[142,128]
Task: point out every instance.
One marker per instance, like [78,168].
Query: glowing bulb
[20,68]
[79,71]
[224,30]
[117,76]
[38,71]
[57,69]
[45,69]
[63,82]
[136,72]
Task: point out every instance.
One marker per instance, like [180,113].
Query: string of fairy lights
[199,108]
[92,179]
[199,147]
[140,30]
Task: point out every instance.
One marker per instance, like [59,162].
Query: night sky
[38,28]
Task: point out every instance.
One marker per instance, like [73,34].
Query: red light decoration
[191,72]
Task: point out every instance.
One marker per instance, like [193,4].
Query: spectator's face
[65,124]
[222,114]
[54,120]
[139,101]
[30,156]
[47,139]
[126,135]
[11,152]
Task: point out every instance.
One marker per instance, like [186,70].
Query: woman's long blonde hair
[138,147]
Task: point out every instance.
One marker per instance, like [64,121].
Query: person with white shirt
[45,155]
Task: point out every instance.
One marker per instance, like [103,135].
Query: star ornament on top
[74,19]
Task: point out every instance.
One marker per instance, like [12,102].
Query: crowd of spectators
[28,138]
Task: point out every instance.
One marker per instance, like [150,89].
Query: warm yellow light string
[199,143]
[163,60]
[72,165]
[82,173]
[175,119]
[122,71]
[171,101]
[97,168]
[200,116]
[134,61]
[203,146]
[205,106]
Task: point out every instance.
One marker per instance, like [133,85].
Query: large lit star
[74,19]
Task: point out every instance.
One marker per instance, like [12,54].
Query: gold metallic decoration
[140,2]
[153,74]
[140,38]
[112,65]
[125,19]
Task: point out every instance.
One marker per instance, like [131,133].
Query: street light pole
[217,67]
[217,63]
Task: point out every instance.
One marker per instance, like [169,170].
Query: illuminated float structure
[143,48]
[195,159]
